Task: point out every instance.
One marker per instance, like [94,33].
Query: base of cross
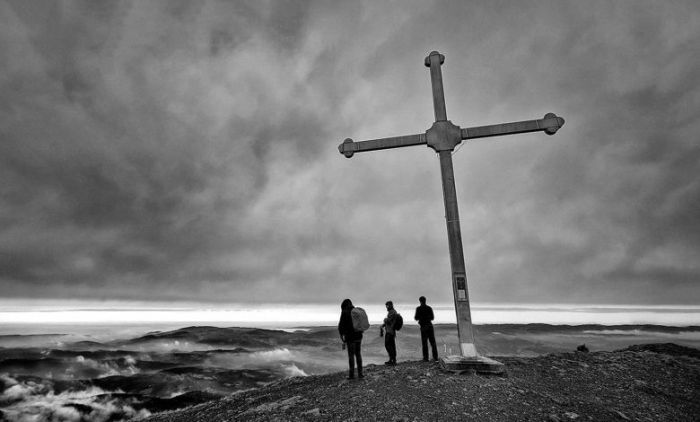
[476,364]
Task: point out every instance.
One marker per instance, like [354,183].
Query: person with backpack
[424,316]
[392,322]
[351,337]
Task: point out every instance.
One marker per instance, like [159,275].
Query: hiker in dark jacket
[390,337]
[424,316]
[352,339]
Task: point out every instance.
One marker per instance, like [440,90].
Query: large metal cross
[443,137]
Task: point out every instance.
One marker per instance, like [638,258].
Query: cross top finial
[434,53]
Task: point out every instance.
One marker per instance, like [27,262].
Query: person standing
[424,316]
[352,340]
[390,337]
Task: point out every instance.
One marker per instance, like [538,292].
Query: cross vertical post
[454,232]
[443,136]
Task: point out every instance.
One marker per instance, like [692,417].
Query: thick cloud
[178,150]
[36,400]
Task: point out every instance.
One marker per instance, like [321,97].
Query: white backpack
[360,322]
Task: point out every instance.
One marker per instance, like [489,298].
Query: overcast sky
[188,150]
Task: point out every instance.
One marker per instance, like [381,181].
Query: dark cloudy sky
[186,150]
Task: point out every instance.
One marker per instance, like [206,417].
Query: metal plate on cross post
[461,287]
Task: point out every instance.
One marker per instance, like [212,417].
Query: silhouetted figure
[424,316]
[352,340]
[390,337]
[582,348]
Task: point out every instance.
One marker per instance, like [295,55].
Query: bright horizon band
[267,315]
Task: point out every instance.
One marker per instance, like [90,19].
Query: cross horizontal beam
[349,147]
[550,124]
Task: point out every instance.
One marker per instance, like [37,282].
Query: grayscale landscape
[189,190]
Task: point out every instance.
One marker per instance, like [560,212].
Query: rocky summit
[656,382]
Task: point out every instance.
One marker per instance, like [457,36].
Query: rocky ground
[659,382]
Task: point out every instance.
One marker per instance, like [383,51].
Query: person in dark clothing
[352,339]
[424,316]
[390,337]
